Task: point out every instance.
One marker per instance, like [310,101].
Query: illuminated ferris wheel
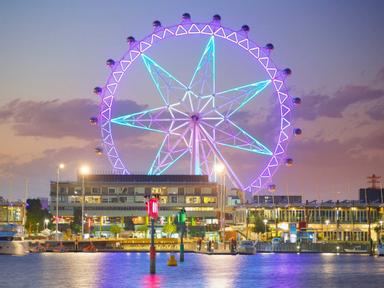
[196,118]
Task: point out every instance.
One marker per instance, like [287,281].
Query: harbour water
[131,270]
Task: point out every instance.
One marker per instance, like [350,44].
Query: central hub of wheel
[195,118]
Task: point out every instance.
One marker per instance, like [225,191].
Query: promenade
[173,245]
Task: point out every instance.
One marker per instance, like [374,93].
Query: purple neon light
[207,142]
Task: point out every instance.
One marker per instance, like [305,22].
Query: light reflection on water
[131,270]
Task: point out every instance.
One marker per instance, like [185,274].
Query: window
[63,190]
[104,200]
[206,190]
[163,199]
[95,190]
[75,199]
[139,190]
[131,190]
[92,199]
[208,200]
[192,200]
[123,199]
[172,190]
[173,199]
[159,190]
[139,199]
[180,190]
[189,190]
[111,190]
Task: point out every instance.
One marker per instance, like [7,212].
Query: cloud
[377,111]
[319,105]
[380,76]
[56,119]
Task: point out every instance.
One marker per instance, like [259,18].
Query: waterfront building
[277,199]
[118,199]
[325,221]
[12,212]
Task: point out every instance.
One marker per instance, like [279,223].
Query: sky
[53,54]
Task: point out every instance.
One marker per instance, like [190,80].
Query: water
[131,270]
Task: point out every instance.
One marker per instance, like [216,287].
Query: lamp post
[61,166]
[265,221]
[326,225]
[381,228]
[182,216]
[220,169]
[46,221]
[84,170]
[152,206]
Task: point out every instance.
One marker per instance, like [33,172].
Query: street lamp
[61,166]
[326,225]
[84,170]
[220,169]
[265,221]
[46,221]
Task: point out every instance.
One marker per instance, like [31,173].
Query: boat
[246,247]
[12,240]
[90,248]
[356,249]
[380,249]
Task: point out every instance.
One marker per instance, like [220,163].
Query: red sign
[302,225]
[153,208]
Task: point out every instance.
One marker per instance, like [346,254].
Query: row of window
[138,190]
[137,199]
[319,216]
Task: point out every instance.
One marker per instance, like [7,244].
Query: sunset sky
[53,53]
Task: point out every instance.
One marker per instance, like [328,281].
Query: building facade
[325,221]
[115,199]
[12,212]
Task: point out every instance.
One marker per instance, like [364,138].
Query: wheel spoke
[162,120]
[210,141]
[227,133]
[171,150]
[204,76]
[170,89]
[230,101]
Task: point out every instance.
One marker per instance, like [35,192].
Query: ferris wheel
[196,119]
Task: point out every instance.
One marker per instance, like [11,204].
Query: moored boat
[12,240]
[246,247]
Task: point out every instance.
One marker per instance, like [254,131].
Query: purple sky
[52,54]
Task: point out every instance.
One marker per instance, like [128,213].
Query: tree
[143,229]
[169,229]
[115,229]
[35,215]
[128,224]
[76,224]
[259,225]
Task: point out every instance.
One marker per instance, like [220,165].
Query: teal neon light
[208,56]
[150,63]
[263,149]
[251,91]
